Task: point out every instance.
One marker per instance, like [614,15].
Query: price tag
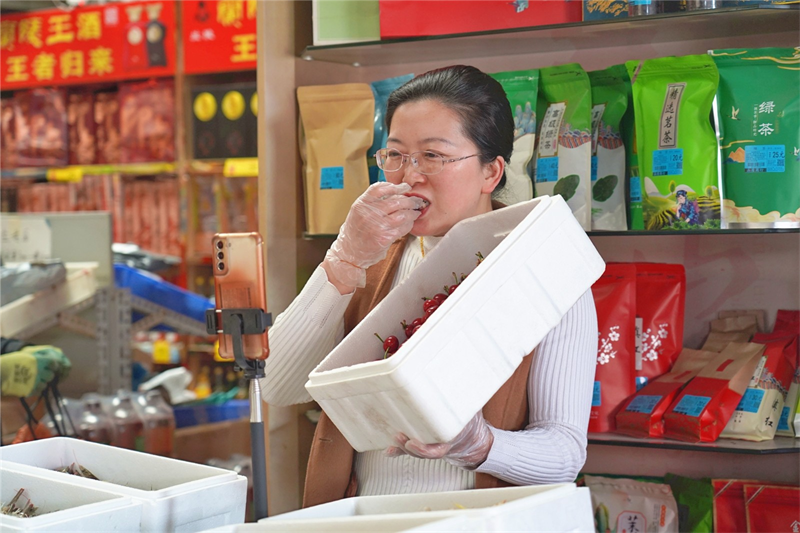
[765,158]
[692,405]
[668,162]
[332,178]
[161,353]
[241,167]
[68,174]
[751,401]
[547,169]
[644,404]
[597,400]
[594,168]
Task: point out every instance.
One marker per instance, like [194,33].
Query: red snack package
[82,128]
[729,513]
[106,117]
[771,508]
[41,121]
[8,148]
[705,405]
[660,302]
[642,415]
[615,300]
[147,121]
[788,321]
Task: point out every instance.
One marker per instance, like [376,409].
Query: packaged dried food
[147,121]
[82,128]
[41,123]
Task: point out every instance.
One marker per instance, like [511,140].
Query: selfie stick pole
[238,322]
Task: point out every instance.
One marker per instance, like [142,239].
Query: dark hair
[478,99]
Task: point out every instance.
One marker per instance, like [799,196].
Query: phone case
[238,264]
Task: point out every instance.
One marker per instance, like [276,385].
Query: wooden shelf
[671,27]
[779,445]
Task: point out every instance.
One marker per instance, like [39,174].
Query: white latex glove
[468,450]
[380,216]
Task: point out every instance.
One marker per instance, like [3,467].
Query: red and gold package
[41,123]
[787,320]
[771,508]
[147,121]
[106,117]
[615,300]
[705,405]
[660,302]
[728,505]
[642,415]
[82,128]
[9,155]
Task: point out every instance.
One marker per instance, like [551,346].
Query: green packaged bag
[677,147]
[521,87]
[564,151]
[758,117]
[695,498]
[610,89]
[634,192]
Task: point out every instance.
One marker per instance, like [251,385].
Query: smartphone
[238,264]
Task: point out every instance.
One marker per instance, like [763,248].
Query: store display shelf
[236,167]
[76,172]
[670,27]
[779,445]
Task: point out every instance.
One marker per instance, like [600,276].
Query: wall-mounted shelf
[76,172]
[779,445]
[671,27]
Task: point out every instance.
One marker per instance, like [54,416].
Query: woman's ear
[493,173]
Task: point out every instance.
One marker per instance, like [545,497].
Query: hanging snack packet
[729,514]
[643,414]
[727,330]
[381,90]
[760,314]
[758,412]
[334,164]
[771,508]
[759,131]
[615,299]
[627,505]
[521,88]
[705,405]
[695,499]
[660,302]
[677,146]
[610,90]
[563,155]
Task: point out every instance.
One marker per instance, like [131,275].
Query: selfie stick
[238,322]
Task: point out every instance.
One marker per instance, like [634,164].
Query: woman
[450,137]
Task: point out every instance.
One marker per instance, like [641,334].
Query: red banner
[86,45]
[219,36]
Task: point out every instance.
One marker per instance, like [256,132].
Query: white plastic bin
[176,495]
[67,507]
[545,508]
[539,261]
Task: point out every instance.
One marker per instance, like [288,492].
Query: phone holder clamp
[236,323]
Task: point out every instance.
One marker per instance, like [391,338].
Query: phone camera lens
[220,245]
[220,255]
[221,265]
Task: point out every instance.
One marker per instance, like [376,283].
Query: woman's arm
[552,448]
[301,337]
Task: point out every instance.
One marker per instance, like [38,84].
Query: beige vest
[330,475]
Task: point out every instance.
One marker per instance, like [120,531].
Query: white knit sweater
[551,449]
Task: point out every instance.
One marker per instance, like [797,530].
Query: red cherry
[415,329]
[417,322]
[430,306]
[430,309]
[439,298]
[452,288]
[390,345]
[407,328]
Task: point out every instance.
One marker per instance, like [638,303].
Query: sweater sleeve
[552,448]
[301,337]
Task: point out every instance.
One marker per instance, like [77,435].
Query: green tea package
[634,192]
[758,117]
[564,151]
[610,90]
[521,87]
[695,499]
[677,146]
[335,130]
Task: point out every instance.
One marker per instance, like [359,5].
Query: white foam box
[66,507]
[538,262]
[551,508]
[176,495]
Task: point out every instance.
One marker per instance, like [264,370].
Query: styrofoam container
[560,507]
[176,495]
[539,261]
[66,507]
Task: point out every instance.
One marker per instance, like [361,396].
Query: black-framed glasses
[391,160]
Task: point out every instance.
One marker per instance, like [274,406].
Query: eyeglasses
[390,160]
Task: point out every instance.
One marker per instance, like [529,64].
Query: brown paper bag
[336,126]
[760,314]
[727,330]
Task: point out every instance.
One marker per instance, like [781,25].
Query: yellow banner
[242,167]
[68,174]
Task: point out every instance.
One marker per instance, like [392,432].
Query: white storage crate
[66,507]
[539,261]
[545,508]
[176,495]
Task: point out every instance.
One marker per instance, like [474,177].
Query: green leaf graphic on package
[604,188]
[567,186]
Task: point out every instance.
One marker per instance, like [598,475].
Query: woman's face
[463,188]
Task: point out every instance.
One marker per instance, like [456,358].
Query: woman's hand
[376,219]
[468,450]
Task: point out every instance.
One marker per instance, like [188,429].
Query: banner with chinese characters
[86,45]
[218,36]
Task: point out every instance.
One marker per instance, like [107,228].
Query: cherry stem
[379,337]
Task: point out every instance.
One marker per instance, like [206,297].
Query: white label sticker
[551,126]
[639,323]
